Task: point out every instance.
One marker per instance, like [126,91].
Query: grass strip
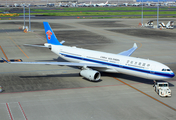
[102,13]
[99,9]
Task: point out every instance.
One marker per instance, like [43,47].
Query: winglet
[50,36]
[130,51]
[135,45]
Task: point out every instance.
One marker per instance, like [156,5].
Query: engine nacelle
[91,75]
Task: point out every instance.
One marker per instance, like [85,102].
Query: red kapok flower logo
[49,33]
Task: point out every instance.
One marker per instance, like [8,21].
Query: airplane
[101,4]
[111,5]
[91,62]
[169,25]
[88,5]
[149,24]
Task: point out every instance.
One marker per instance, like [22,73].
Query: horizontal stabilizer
[130,51]
[62,41]
[36,45]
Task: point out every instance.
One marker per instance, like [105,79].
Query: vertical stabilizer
[50,36]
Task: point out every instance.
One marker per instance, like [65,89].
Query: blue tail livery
[50,36]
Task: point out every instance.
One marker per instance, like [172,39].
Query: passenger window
[148,65]
[135,63]
[143,64]
[139,63]
[131,62]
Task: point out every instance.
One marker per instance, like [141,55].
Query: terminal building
[45,2]
[8,2]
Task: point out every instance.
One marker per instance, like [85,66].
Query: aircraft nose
[172,74]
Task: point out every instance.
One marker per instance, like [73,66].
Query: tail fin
[50,36]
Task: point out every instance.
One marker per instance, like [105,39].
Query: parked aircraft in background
[91,62]
[111,5]
[88,5]
[101,4]
[169,25]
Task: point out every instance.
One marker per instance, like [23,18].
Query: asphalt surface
[43,92]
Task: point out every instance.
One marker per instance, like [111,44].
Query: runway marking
[4,53]
[22,111]
[145,94]
[19,47]
[9,111]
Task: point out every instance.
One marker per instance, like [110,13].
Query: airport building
[45,2]
[8,2]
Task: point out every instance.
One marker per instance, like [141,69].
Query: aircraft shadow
[118,75]
[53,60]
[56,75]
[135,79]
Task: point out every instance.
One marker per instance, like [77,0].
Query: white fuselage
[115,63]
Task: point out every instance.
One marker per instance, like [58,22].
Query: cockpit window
[166,70]
[162,85]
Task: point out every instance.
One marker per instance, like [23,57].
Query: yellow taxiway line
[145,94]
[19,47]
[4,53]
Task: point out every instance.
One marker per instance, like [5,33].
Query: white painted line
[22,111]
[9,111]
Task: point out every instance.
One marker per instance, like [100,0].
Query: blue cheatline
[50,36]
[163,74]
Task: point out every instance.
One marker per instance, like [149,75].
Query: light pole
[157,14]
[29,19]
[142,14]
[24,14]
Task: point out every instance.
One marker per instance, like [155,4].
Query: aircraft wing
[130,51]
[61,64]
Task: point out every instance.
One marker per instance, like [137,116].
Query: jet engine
[90,75]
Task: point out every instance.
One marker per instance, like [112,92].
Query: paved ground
[39,92]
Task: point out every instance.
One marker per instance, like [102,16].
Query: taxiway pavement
[42,92]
